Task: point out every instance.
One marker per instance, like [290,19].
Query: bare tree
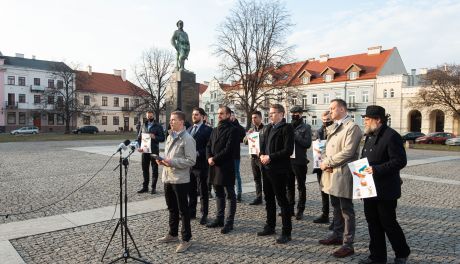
[152,74]
[251,44]
[441,90]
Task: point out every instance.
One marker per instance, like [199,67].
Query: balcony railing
[37,88]
[127,108]
[11,105]
[352,106]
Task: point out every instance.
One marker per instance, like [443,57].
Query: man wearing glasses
[277,145]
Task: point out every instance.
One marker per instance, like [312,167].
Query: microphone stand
[123,221]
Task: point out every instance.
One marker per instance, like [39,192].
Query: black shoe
[203,220]
[370,261]
[283,239]
[322,219]
[238,198]
[215,224]
[299,215]
[153,191]
[266,232]
[193,216]
[256,202]
[143,190]
[226,229]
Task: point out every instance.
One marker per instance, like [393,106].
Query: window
[22,81]
[22,118]
[266,118]
[212,122]
[353,75]
[314,121]
[37,81]
[116,102]
[60,84]
[11,99]
[116,121]
[385,93]
[104,120]
[22,98]
[126,102]
[294,100]
[60,119]
[50,83]
[351,98]
[36,99]
[86,100]
[50,99]
[365,96]
[326,99]
[50,119]
[11,80]
[392,92]
[212,108]
[328,77]
[136,120]
[338,95]
[104,100]
[86,120]
[352,117]
[60,101]
[314,99]
[304,101]
[11,118]
[305,80]
[136,102]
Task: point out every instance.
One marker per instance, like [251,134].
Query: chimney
[323,58]
[19,55]
[123,75]
[206,83]
[374,50]
[90,70]
[311,59]
[423,71]
[413,71]
[33,57]
[116,72]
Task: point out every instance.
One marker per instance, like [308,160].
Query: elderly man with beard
[385,152]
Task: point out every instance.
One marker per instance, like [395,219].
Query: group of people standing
[199,156]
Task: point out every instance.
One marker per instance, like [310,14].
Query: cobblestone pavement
[36,173]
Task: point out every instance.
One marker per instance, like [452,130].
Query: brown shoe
[331,241]
[343,252]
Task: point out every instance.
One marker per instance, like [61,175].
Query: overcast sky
[112,34]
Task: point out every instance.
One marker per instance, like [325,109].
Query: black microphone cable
[65,197]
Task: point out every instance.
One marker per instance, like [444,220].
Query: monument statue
[180,42]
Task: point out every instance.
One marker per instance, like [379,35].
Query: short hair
[257,113]
[278,107]
[340,102]
[200,110]
[179,114]
[149,112]
[227,109]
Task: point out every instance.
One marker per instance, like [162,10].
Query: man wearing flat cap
[385,152]
[299,161]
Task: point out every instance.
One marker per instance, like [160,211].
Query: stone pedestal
[183,94]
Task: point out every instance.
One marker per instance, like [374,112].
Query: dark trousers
[146,163]
[381,220]
[274,186]
[257,172]
[324,196]
[299,173]
[344,220]
[176,200]
[222,192]
[199,186]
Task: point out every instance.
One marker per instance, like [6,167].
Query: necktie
[194,130]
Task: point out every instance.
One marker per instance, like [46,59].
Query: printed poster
[363,183]
[145,143]
[319,147]
[254,143]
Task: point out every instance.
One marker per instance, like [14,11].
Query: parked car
[434,138]
[86,129]
[412,136]
[453,141]
[25,130]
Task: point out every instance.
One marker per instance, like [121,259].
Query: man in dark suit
[385,152]
[157,135]
[220,152]
[236,156]
[199,173]
[277,145]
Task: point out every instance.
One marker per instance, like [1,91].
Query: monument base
[183,94]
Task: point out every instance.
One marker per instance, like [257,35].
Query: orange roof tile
[106,83]
[202,88]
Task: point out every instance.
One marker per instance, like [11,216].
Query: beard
[370,129]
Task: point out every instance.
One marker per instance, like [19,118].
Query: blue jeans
[239,189]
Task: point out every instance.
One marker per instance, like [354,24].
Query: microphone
[123,145]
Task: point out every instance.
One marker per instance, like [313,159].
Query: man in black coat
[385,152]
[298,171]
[157,135]
[277,144]
[199,173]
[237,157]
[220,152]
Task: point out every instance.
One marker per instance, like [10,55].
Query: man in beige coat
[342,147]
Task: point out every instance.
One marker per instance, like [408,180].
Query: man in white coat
[342,147]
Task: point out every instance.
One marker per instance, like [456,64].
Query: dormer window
[328,78]
[353,71]
[353,75]
[269,79]
[305,80]
[328,74]
[305,77]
